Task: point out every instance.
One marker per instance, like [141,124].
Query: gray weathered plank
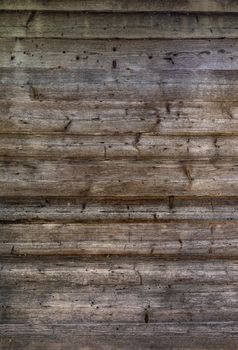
[118,85]
[118,305]
[117,179]
[116,25]
[165,240]
[153,296]
[107,117]
[132,56]
[68,210]
[122,5]
[138,146]
[116,271]
[209,336]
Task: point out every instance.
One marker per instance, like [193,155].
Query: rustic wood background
[118,174]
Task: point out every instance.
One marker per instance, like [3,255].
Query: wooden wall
[118,174]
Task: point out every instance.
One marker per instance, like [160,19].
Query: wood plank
[115,271]
[117,179]
[117,306]
[116,25]
[44,78]
[108,117]
[94,287]
[157,85]
[132,56]
[138,146]
[76,210]
[165,240]
[208,336]
[122,5]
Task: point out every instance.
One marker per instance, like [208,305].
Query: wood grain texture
[160,85]
[122,5]
[116,271]
[117,179]
[168,240]
[115,147]
[108,117]
[206,335]
[116,25]
[132,56]
[20,210]
[118,175]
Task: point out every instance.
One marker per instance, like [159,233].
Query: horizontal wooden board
[138,146]
[70,210]
[151,76]
[117,179]
[122,5]
[129,56]
[167,240]
[153,296]
[82,304]
[210,336]
[116,85]
[116,25]
[107,117]
[115,271]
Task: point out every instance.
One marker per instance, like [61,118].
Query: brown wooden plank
[122,5]
[116,271]
[138,146]
[117,179]
[76,210]
[170,293]
[133,56]
[156,85]
[116,25]
[107,117]
[82,305]
[215,336]
[167,240]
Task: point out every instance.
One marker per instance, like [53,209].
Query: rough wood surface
[168,240]
[108,117]
[113,147]
[118,175]
[159,85]
[122,5]
[76,210]
[102,179]
[79,25]
[135,55]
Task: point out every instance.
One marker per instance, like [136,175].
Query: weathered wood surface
[122,5]
[200,336]
[129,55]
[118,175]
[108,117]
[159,85]
[114,147]
[164,240]
[79,25]
[117,271]
[78,209]
[136,179]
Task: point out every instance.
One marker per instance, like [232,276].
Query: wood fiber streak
[118,175]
